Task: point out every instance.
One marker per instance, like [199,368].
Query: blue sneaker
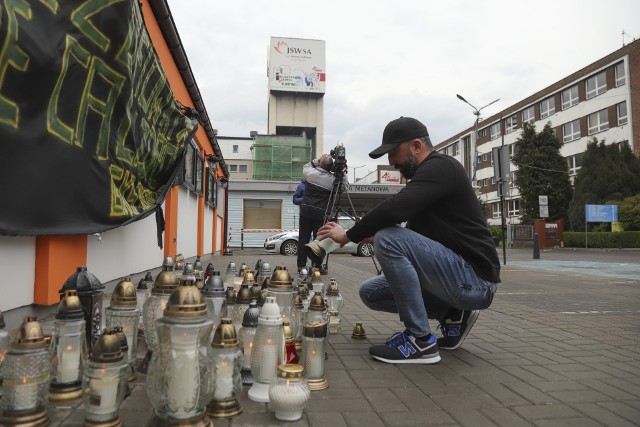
[456,327]
[403,347]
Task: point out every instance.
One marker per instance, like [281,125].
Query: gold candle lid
[333,288]
[317,302]
[248,278]
[281,279]
[70,307]
[290,371]
[186,301]
[29,336]
[124,295]
[108,348]
[244,294]
[315,329]
[166,281]
[225,335]
[297,301]
[316,277]
[288,331]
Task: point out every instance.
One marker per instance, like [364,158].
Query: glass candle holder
[300,312]
[335,303]
[227,361]
[243,299]
[68,350]
[180,381]
[264,272]
[143,292]
[230,274]
[5,343]
[291,354]
[247,333]
[214,297]
[124,312]
[26,372]
[289,393]
[281,287]
[268,350]
[313,350]
[165,283]
[104,379]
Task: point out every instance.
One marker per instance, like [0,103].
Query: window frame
[571,163]
[262,210]
[600,81]
[620,79]
[574,135]
[573,100]
[211,189]
[622,120]
[601,125]
[550,104]
[495,131]
[531,115]
[513,207]
[510,124]
[496,210]
[234,148]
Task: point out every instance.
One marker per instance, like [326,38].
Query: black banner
[90,133]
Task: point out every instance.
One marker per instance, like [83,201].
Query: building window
[483,157]
[193,168]
[512,150]
[514,207]
[571,131]
[528,115]
[574,163]
[235,148]
[512,180]
[596,85]
[598,121]
[233,168]
[547,107]
[620,74]
[495,130]
[262,214]
[482,133]
[496,210]
[210,194]
[493,180]
[243,169]
[569,97]
[622,113]
[456,149]
[510,124]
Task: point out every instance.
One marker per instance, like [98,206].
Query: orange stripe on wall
[171,223]
[57,258]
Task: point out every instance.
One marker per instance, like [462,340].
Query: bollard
[536,246]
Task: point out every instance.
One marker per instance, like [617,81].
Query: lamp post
[476,112]
[354,171]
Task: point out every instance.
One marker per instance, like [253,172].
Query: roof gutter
[163,16]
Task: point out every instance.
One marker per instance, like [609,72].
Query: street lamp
[354,171]
[476,112]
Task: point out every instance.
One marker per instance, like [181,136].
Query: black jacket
[439,203]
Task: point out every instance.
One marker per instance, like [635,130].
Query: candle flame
[25,380]
[69,348]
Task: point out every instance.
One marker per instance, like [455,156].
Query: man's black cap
[397,131]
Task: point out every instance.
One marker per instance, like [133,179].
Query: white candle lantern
[290,393]
[268,350]
[227,360]
[143,292]
[68,350]
[313,349]
[26,371]
[281,287]
[104,381]
[317,308]
[264,272]
[124,312]
[335,303]
[165,283]
[230,274]
[247,334]
[5,343]
[215,299]
[180,381]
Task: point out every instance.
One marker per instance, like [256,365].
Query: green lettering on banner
[56,126]
[103,107]
[51,4]
[80,18]
[119,205]
[12,55]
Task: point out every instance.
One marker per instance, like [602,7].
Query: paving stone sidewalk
[556,348]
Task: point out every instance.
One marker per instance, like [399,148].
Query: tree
[609,172]
[629,213]
[541,171]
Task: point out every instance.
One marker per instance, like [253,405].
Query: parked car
[286,242]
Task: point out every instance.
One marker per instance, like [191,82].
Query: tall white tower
[296,73]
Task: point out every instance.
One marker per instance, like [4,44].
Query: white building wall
[207,239]
[17,263]
[187,223]
[124,250]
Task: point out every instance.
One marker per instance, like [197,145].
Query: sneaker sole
[426,360]
[472,320]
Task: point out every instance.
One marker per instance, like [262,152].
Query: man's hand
[335,232]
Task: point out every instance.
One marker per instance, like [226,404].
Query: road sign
[544,211]
[543,200]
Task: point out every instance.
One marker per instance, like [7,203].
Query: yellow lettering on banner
[56,126]
[120,206]
[104,108]
[12,55]
[51,4]
[81,19]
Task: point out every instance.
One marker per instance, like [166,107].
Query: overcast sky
[385,59]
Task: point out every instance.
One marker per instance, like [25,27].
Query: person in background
[443,265]
[299,193]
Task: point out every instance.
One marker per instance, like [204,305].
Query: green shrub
[496,233]
[622,239]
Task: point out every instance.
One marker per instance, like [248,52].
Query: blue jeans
[422,279]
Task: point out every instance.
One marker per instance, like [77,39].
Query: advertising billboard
[389,177]
[296,65]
